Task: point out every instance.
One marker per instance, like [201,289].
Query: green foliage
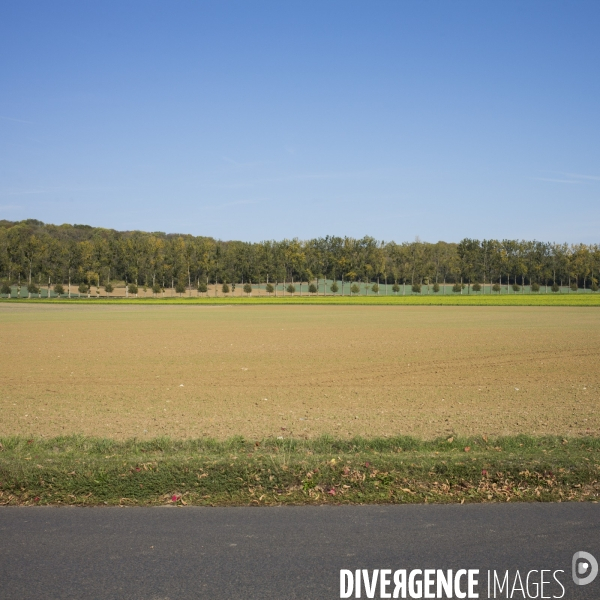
[457,288]
[496,287]
[84,288]
[416,288]
[476,287]
[291,289]
[334,287]
[395,288]
[555,288]
[247,288]
[269,288]
[108,288]
[312,288]
[436,287]
[354,288]
[375,288]
[33,289]
[516,287]
[156,289]
[30,247]
[59,289]
[180,288]
[202,287]
[594,287]
[225,288]
[535,287]
[5,288]
[92,278]
[573,286]
[132,288]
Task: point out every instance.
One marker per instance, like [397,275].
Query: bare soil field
[301,371]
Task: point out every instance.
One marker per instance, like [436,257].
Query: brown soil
[118,371]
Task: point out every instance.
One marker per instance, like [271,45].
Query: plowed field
[190,371]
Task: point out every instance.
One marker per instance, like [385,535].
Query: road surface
[279,553]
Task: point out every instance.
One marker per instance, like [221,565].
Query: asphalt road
[289,552]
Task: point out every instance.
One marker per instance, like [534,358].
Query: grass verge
[91,471]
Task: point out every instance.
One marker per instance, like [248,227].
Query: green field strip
[458,300]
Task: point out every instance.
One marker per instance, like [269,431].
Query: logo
[585,568]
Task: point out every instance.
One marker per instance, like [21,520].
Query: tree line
[36,254]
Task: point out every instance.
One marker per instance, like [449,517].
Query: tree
[32,250]
[247,289]
[469,253]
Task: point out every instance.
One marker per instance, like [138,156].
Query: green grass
[455,300]
[91,471]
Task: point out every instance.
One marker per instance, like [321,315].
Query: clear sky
[257,120]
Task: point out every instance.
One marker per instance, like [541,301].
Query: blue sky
[256,120]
